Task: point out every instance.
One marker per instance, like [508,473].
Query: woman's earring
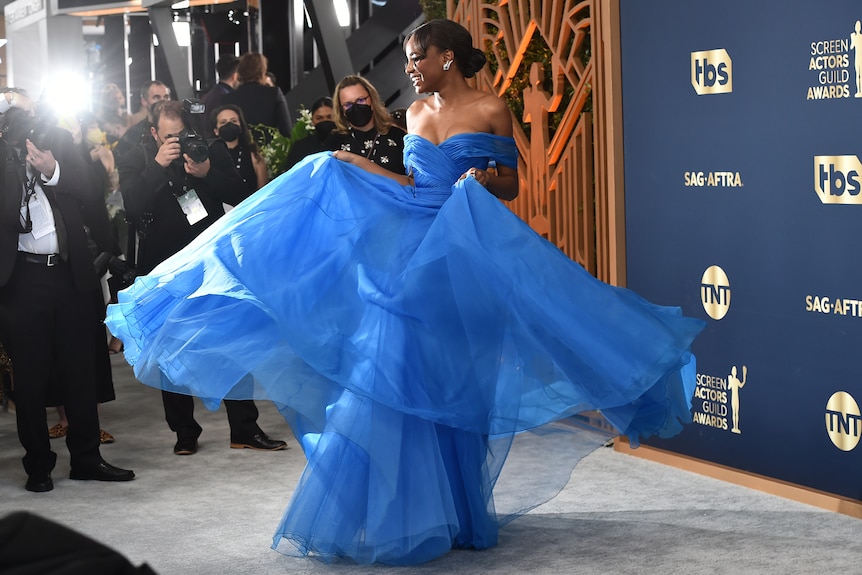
[447,65]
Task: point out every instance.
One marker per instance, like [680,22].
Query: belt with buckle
[41,259]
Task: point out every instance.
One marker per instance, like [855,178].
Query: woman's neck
[452,92]
[233,144]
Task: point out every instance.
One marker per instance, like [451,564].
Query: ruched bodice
[435,168]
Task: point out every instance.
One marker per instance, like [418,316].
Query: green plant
[274,146]
[433,8]
[536,51]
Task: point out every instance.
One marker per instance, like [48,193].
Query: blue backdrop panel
[762,97]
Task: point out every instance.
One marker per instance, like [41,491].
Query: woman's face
[352,95]
[114,95]
[322,114]
[423,68]
[224,117]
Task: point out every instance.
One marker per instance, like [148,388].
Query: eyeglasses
[361,101]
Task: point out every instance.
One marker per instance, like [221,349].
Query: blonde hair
[382,119]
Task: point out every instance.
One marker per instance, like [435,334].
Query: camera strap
[25,220]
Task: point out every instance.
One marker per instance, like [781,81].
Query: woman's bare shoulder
[415,114]
[497,113]
[418,106]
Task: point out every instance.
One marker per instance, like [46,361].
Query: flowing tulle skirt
[413,344]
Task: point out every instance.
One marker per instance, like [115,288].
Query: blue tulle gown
[410,336]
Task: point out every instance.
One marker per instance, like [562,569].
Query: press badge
[43,221]
[192,207]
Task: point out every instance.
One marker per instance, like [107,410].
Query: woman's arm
[503,184]
[369,166]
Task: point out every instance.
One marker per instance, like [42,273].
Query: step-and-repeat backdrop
[743,139]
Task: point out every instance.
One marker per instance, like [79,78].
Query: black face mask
[359,114]
[323,129]
[229,132]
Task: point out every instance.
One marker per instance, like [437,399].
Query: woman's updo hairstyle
[449,35]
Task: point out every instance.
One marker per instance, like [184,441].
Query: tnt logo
[715,292]
[711,72]
[843,420]
[837,179]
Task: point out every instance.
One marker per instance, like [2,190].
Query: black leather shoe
[104,471]
[261,442]
[39,483]
[186,447]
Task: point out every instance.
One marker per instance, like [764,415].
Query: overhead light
[180,5]
[342,12]
[66,93]
[182,31]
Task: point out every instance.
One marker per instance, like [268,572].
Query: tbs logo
[837,179]
[711,72]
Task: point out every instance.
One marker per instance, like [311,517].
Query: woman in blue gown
[411,329]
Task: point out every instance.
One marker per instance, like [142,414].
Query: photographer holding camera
[174,186]
[47,282]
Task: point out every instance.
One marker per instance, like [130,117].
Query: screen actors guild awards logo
[712,395]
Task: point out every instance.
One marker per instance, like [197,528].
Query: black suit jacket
[215,98]
[135,135]
[261,105]
[150,198]
[67,197]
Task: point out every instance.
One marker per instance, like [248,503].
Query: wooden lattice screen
[564,184]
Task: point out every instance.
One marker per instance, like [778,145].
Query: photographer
[99,164]
[173,188]
[152,92]
[169,196]
[47,284]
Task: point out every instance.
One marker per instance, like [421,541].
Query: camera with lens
[193,144]
[18,125]
[191,138]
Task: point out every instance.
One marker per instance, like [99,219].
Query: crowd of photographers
[63,258]
[90,201]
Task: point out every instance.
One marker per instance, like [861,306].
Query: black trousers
[180,415]
[47,327]
[32,545]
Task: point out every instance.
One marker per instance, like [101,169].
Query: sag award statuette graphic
[735,384]
[856,46]
[715,392]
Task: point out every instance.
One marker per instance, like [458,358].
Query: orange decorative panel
[541,61]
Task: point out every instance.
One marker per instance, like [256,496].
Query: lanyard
[25,222]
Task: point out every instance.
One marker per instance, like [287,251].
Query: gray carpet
[214,512]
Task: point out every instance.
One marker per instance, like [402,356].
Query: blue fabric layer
[410,336]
